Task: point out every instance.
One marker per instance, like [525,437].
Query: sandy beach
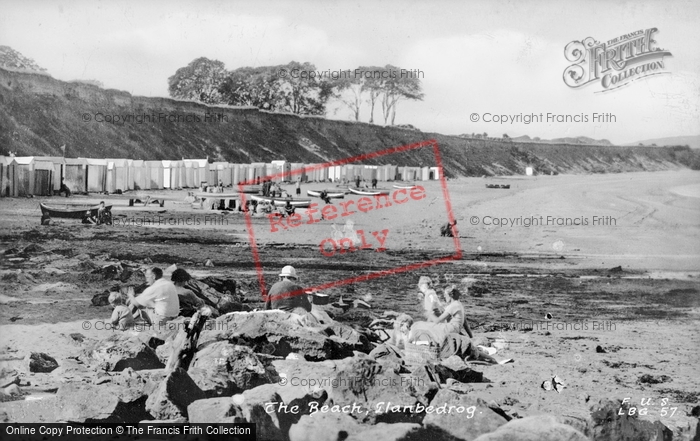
[622,276]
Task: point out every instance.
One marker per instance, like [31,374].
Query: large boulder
[279,333]
[608,424]
[461,416]
[221,368]
[109,403]
[172,397]
[374,387]
[333,426]
[124,350]
[534,428]
[215,410]
[40,362]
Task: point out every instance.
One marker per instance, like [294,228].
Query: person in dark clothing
[374,183]
[279,295]
[289,208]
[324,196]
[357,182]
[64,189]
[449,229]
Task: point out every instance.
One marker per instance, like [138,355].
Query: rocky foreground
[295,382]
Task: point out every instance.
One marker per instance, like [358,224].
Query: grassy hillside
[38,114]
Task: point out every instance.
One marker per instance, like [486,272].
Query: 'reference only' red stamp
[347,210]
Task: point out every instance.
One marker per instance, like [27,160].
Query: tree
[505,136]
[350,88]
[249,86]
[302,94]
[199,81]
[398,86]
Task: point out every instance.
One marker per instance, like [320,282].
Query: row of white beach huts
[42,176]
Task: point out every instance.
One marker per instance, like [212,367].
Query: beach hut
[154,174]
[95,174]
[435,173]
[200,171]
[118,175]
[140,173]
[8,176]
[177,175]
[424,173]
[75,174]
[167,173]
[34,176]
[56,167]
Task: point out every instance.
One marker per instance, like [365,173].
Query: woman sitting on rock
[446,330]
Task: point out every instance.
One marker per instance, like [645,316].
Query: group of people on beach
[444,324]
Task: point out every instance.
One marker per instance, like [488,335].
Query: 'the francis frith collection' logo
[614,63]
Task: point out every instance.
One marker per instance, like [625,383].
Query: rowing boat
[333,194]
[368,192]
[217,195]
[281,202]
[71,211]
[407,186]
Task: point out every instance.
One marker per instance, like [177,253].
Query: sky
[475,57]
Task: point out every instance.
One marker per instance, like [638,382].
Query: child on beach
[121,316]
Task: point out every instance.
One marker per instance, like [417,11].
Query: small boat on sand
[281,202]
[506,186]
[70,211]
[333,194]
[407,186]
[368,191]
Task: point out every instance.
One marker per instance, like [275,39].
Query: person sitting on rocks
[287,294]
[449,229]
[89,219]
[447,330]
[121,315]
[432,307]
[189,302]
[159,302]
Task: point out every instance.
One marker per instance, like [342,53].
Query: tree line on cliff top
[296,87]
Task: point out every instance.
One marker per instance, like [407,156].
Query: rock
[654,379]
[9,377]
[101,299]
[33,248]
[475,419]
[12,391]
[271,423]
[608,425]
[122,350]
[534,428]
[599,349]
[221,368]
[278,333]
[341,426]
[366,382]
[211,410]
[324,427]
[40,362]
[173,396]
[208,263]
[81,402]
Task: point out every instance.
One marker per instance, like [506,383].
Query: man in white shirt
[159,302]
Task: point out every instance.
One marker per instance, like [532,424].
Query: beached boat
[252,189]
[281,202]
[333,194]
[497,185]
[368,192]
[71,211]
[408,186]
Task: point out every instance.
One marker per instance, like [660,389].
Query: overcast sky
[476,56]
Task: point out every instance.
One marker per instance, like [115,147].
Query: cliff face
[38,114]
